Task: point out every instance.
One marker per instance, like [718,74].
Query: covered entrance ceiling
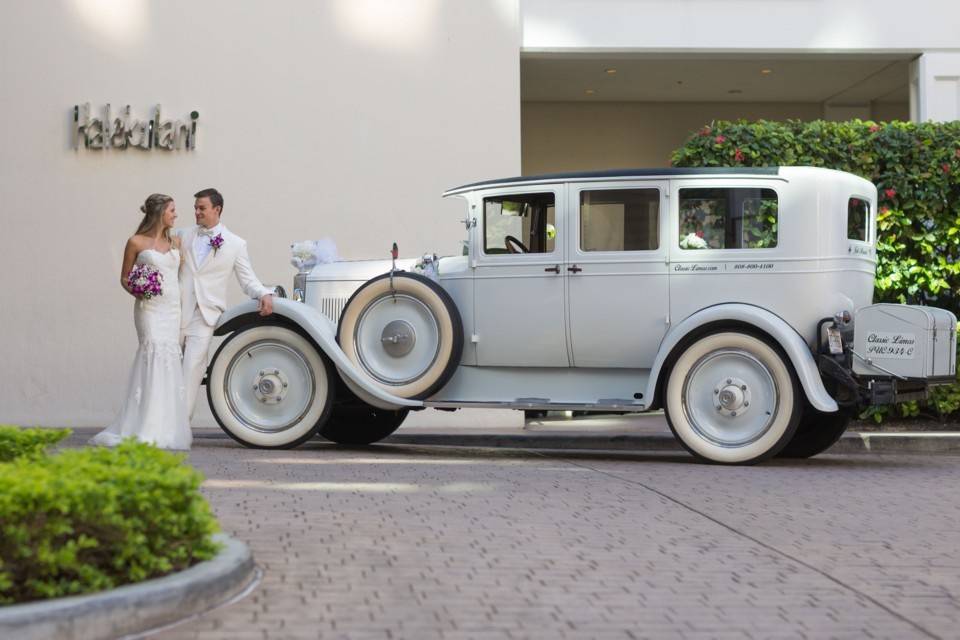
[795,78]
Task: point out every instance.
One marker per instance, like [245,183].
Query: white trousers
[195,339]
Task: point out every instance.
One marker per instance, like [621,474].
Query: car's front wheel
[733,398]
[269,387]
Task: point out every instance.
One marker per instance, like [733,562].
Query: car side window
[519,223]
[858,216]
[728,218]
[619,220]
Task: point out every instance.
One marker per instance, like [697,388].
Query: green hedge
[16,442]
[916,168]
[91,519]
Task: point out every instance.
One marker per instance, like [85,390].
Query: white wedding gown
[155,409]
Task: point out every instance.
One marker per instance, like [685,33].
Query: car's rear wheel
[817,432]
[732,398]
[269,387]
[362,424]
[404,332]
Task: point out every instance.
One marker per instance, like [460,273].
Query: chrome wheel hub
[270,386]
[731,397]
[398,338]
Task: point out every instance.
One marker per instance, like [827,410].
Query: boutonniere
[216,242]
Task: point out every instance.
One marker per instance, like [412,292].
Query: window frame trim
[870,221]
[678,186]
[558,191]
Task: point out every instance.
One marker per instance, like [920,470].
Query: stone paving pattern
[444,542]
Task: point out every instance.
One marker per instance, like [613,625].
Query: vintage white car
[737,300]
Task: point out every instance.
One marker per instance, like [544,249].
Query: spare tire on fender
[404,332]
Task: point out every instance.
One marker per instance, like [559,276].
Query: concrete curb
[136,608]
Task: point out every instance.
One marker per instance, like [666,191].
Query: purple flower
[145,281]
[216,242]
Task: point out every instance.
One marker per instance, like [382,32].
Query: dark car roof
[621,173]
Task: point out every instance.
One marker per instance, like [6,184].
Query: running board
[543,404]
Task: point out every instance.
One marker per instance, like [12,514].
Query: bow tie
[203,231]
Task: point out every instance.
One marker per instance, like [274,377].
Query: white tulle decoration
[306,254]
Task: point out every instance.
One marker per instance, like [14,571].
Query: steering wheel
[514,246]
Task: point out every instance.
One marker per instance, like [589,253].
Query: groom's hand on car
[266,304]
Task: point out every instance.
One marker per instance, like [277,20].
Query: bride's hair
[153,209]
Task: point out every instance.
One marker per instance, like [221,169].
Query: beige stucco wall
[571,136]
[345,118]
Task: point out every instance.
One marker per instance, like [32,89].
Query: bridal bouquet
[145,281]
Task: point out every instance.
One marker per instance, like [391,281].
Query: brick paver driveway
[417,542]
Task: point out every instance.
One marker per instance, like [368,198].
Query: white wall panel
[345,118]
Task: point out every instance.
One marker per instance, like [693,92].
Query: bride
[155,408]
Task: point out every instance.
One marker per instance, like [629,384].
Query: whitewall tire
[404,333]
[268,387]
[733,398]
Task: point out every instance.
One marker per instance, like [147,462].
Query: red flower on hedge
[738,155]
[884,209]
[705,131]
[720,139]
[957,153]
[874,128]
[890,193]
[946,167]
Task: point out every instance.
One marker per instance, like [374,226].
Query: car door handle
[574,269]
[555,268]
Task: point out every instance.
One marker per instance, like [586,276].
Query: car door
[519,279]
[617,272]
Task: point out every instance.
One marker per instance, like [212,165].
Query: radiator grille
[332,307]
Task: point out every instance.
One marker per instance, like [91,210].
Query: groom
[211,253]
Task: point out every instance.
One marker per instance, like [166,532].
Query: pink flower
[946,167]
[957,153]
[884,209]
[699,234]
[890,193]
[720,139]
[704,132]
[738,155]
[874,128]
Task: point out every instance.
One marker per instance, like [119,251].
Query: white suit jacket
[205,284]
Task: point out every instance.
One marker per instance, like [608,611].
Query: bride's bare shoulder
[138,242]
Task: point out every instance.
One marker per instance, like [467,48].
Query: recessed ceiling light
[735,91]
[611,72]
[766,72]
[589,92]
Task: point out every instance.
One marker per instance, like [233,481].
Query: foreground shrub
[16,442]
[916,168]
[93,519]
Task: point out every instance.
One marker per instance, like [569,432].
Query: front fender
[324,334]
[773,325]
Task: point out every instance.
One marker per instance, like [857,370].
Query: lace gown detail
[155,408]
